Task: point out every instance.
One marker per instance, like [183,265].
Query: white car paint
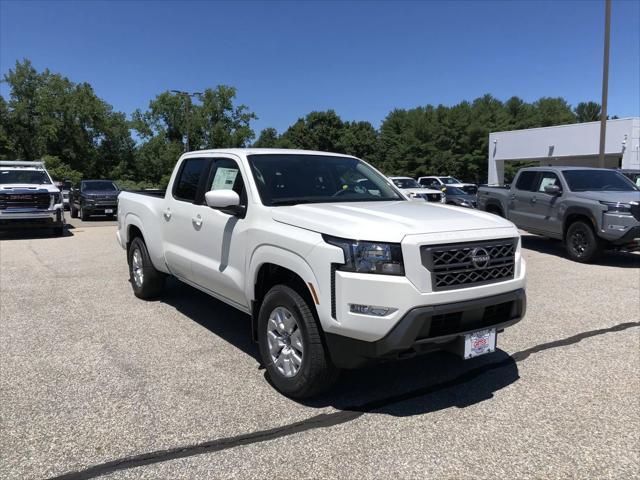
[222,254]
[418,194]
[438,179]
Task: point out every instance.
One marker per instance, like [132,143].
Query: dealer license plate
[108,210]
[480,342]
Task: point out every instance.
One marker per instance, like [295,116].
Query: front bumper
[100,209]
[429,328]
[619,229]
[32,218]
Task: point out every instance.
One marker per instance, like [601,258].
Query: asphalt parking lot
[95,382]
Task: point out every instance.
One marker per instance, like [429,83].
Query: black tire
[74,212]
[152,282]
[316,373]
[83,215]
[582,244]
[495,211]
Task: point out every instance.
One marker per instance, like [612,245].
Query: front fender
[281,257]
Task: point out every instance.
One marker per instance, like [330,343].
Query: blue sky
[360,58]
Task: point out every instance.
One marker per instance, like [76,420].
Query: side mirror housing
[552,189]
[227,201]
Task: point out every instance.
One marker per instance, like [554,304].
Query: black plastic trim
[404,340]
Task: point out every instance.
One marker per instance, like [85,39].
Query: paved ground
[95,381]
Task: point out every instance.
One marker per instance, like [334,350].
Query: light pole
[187,113]
[605,81]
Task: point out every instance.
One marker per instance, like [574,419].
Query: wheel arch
[270,266]
[574,214]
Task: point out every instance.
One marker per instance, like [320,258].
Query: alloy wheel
[285,342]
[137,267]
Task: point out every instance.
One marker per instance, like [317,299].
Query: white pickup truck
[333,273]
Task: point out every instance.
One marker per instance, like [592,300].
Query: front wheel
[146,281]
[74,212]
[291,347]
[84,216]
[582,244]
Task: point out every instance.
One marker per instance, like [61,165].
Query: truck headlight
[56,198]
[617,207]
[369,257]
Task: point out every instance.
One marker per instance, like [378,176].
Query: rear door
[545,206]
[520,203]
[179,215]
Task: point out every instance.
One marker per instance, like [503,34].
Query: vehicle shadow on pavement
[33,234]
[414,386]
[556,248]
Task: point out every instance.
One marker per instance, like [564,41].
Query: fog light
[368,310]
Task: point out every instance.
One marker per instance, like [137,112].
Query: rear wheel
[146,281]
[291,346]
[582,244]
[74,212]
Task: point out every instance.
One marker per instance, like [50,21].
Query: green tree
[588,112]
[268,138]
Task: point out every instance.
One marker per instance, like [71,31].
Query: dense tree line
[80,135]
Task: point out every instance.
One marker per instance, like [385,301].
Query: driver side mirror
[227,201]
[552,189]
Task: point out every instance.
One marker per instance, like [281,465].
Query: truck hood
[9,188]
[622,197]
[384,221]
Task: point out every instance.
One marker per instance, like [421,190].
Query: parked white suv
[333,273]
[29,198]
[412,189]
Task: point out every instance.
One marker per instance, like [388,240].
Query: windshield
[449,180]
[405,183]
[99,186]
[597,180]
[288,179]
[37,177]
[454,191]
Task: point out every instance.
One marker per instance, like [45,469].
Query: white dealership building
[576,144]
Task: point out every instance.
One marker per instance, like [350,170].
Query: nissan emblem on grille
[480,257]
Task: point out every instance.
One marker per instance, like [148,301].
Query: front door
[545,206]
[220,239]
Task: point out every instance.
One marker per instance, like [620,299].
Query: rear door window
[192,174]
[526,181]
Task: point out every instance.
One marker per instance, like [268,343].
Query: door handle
[533,200]
[167,214]
[513,196]
[197,221]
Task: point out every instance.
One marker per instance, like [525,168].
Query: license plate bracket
[479,343]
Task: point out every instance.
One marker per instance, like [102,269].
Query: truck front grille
[37,201]
[433,197]
[469,264]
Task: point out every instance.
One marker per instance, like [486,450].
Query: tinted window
[526,180]
[548,178]
[449,180]
[191,172]
[98,185]
[288,179]
[37,177]
[597,180]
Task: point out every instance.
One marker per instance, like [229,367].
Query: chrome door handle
[167,214]
[197,221]
[533,200]
[513,196]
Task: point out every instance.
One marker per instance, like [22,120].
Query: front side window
[597,181]
[33,177]
[449,180]
[189,177]
[526,180]
[548,178]
[226,176]
[289,179]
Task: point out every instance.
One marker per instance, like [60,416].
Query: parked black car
[456,196]
[94,197]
